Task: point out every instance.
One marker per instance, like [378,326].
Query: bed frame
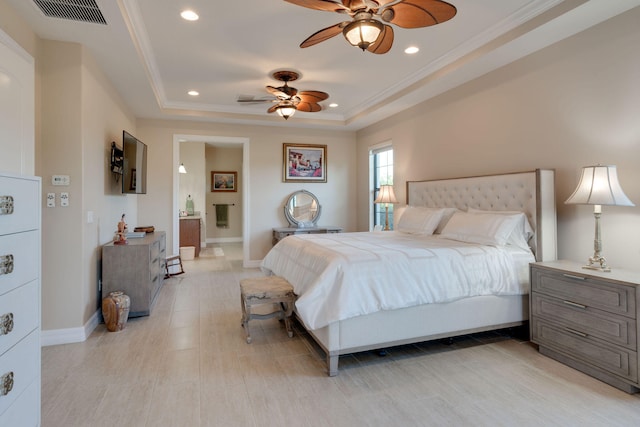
[531,192]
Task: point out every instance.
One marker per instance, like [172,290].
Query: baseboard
[225,240]
[70,335]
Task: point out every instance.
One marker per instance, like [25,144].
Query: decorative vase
[115,310]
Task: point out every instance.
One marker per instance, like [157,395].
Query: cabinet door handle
[571,276]
[6,323]
[6,383]
[6,264]
[573,331]
[6,205]
[574,304]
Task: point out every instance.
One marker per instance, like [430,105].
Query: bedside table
[587,320]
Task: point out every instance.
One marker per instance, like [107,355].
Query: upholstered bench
[266,290]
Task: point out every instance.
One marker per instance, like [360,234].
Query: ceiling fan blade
[324,34]
[312,96]
[309,107]
[419,13]
[277,92]
[384,41]
[326,5]
[254,100]
[273,108]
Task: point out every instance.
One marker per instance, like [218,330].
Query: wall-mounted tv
[134,164]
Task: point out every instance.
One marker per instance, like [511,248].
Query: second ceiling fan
[370,34]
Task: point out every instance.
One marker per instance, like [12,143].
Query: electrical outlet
[51,200]
[64,199]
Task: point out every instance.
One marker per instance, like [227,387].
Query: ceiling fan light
[286,111]
[362,33]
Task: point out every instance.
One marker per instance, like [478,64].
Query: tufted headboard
[529,192]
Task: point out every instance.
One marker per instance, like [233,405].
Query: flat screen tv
[134,165]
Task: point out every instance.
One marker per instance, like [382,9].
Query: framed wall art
[304,163]
[224,181]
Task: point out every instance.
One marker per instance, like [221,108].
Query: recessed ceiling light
[333,105]
[189,15]
[193,93]
[411,50]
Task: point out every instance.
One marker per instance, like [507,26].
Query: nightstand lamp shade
[386,196]
[599,186]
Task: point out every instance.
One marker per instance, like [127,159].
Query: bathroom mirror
[302,209]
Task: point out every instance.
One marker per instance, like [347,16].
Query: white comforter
[339,276]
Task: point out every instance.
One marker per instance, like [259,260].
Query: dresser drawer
[613,359]
[18,260]
[584,290]
[22,412]
[18,204]
[21,307]
[613,328]
[23,361]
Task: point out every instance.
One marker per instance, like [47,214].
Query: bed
[344,309]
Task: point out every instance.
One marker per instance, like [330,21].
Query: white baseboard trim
[224,240]
[70,335]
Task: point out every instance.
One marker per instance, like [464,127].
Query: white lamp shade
[286,111]
[181,169]
[362,33]
[599,186]
[386,195]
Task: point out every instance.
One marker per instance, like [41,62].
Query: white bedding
[339,276]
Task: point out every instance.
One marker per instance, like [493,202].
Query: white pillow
[447,213]
[484,229]
[419,220]
[521,234]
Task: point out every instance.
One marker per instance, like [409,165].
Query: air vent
[76,10]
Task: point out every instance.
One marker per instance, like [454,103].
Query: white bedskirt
[341,276]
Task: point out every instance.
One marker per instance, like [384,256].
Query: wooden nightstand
[587,320]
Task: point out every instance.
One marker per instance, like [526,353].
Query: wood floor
[188,365]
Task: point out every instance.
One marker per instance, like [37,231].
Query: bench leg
[246,315]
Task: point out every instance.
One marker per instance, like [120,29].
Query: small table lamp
[386,196]
[598,186]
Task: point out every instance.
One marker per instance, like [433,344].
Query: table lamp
[598,186]
[386,196]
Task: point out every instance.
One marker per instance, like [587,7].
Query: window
[381,163]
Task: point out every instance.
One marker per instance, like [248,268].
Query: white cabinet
[20,242]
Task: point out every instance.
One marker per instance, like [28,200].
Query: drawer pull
[573,331]
[6,383]
[571,276]
[6,323]
[6,205]
[575,304]
[6,264]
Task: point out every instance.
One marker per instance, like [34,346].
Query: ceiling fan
[370,34]
[288,100]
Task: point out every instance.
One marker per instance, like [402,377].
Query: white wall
[570,105]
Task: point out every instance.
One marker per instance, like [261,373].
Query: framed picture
[304,163]
[224,181]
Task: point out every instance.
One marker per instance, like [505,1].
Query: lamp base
[597,263]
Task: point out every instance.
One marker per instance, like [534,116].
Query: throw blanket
[222,216]
[339,276]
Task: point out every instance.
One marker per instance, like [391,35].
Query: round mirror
[302,209]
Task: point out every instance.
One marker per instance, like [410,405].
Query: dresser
[20,247]
[588,320]
[281,233]
[137,269]
[190,233]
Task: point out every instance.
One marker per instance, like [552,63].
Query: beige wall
[267,192]
[224,159]
[573,104]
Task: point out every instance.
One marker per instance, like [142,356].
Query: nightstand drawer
[584,290]
[613,328]
[613,359]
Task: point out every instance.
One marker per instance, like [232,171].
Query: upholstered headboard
[530,192]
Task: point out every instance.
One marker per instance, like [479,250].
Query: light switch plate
[60,180]
[51,200]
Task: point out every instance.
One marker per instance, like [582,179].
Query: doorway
[214,141]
